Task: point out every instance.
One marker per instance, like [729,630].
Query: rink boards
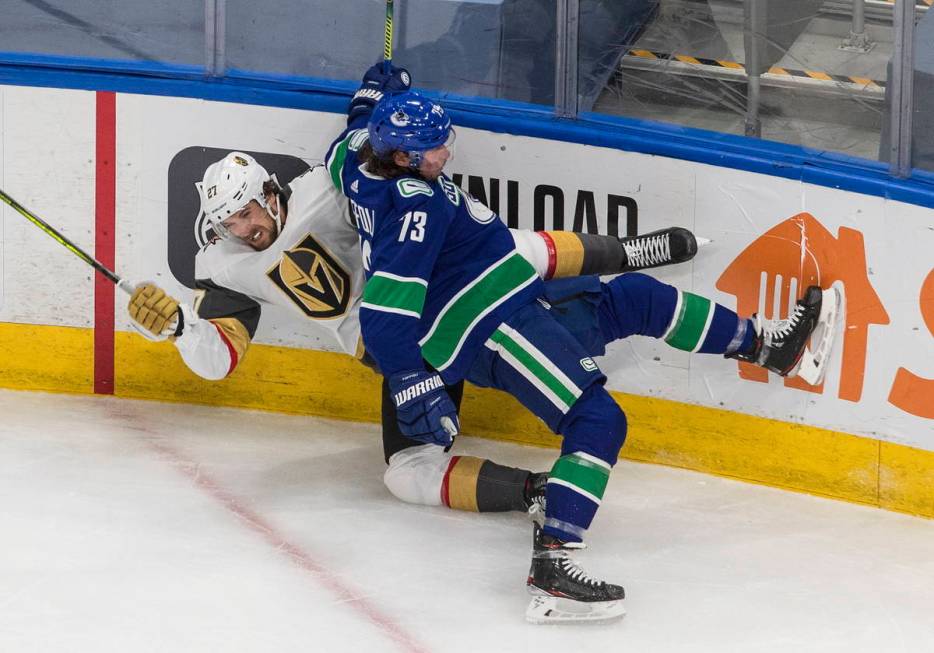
[867,435]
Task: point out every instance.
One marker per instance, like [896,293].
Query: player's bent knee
[595,425]
[415,474]
[661,299]
[640,305]
[617,428]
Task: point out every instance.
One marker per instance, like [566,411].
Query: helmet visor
[449,143]
[417,156]
[234,227]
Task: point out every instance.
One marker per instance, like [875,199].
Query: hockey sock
[572,254]
[575,490]
[700,325]
[479,485]
[745,339]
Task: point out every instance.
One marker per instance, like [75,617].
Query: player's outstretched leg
[563,254]
[636,304]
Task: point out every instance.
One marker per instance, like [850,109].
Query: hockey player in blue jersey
[449,298]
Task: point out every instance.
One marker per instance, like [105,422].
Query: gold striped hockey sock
[572,254]
[479,485]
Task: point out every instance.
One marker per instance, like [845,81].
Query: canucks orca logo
[400,119]
[313,279]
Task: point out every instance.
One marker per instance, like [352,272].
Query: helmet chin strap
[275,218]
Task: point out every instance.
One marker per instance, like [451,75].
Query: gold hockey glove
[152,309]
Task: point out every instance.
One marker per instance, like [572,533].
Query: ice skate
[781,346]
[657,248]
[563,592]
[534,494]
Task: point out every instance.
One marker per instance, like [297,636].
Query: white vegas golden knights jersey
[313,268]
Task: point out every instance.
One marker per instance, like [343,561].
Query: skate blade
[545,610]
[813,363]
[702,242]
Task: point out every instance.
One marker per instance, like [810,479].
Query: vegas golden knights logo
[313,279]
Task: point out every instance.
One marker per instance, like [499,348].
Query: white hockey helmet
[228,186]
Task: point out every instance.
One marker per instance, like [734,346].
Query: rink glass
[822,74]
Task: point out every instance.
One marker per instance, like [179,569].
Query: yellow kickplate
[49,358]
[268,378]
[906,479]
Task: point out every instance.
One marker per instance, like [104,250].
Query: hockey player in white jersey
[295,247]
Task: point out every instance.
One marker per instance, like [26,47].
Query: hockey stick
[387,43]
[123,284]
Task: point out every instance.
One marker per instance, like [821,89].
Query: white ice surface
[138,526]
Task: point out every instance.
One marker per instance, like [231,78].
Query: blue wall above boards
[738,152]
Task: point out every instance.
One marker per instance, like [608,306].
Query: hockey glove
[154,313]
[423,408]
[375,85]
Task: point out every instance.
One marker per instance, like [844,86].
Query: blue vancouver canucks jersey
[442,269]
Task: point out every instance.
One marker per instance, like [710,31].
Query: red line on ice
[279,542]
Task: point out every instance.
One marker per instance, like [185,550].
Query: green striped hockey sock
[575,490]
[702,326]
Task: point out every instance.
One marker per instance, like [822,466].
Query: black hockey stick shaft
[67,244]
[387,43]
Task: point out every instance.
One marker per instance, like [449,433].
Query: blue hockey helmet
[408,122]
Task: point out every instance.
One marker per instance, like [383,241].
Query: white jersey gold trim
[313,269]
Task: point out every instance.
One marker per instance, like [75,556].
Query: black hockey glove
[375,84]
[423,407]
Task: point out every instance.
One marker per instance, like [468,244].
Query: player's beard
[267,228]
[266,237]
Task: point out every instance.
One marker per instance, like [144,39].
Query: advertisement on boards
[770,239]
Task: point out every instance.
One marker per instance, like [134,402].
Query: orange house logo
[797,253]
